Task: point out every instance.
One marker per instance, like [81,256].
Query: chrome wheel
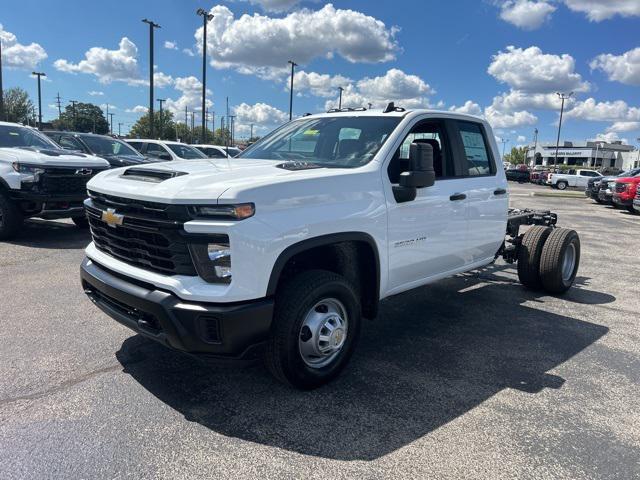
[569,262]
[323,333]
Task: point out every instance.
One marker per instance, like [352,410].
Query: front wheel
[10,217]
[562,185]
[81,222]
[315,329]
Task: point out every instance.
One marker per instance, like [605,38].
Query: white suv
[166,149]
[281,252]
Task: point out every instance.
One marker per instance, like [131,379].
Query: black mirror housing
[421,175]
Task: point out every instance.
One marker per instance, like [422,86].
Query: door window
[478,157]
[431,132]
[155,150]
[70,143]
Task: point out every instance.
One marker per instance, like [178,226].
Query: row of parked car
[621,190]
[44,174]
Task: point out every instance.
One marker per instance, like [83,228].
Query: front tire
[81,222]
[315,329]
[562,185]
[560,260]
[10,217]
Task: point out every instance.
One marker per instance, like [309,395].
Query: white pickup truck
[573,178]
[281,252]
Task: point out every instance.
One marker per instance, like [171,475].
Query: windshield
[108,146]
[630,173]
[342,141]
[17,136]
[234,152]
[185,151]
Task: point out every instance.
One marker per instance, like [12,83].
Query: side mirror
[421,175]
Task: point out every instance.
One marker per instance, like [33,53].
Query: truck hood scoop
[294,166]
[148,175]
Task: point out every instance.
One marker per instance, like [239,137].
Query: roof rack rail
[391,107]
[346,109]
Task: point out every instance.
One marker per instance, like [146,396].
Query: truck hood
[197,181]
[51,157]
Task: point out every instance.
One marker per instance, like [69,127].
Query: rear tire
[562,185]
[529,256]
[560,260]
[81,222]
[10,217]
[302,319]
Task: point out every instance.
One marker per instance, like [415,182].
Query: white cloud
[188,52]
[170,45]
[108,66]
[103,106]
[408,91]
[616,111]
[258,43]
[320,85]
[96,93]
[624,127]
[500,119]
[623,68]
[276,5]
[526,14]
[598,10]
[521,139]
[264,118]
[191,98]
[517,100]
[161,80]
[469,108]
[608,137]
[137,109]
[17,55]
[531,70]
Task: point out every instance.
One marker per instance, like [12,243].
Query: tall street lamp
[340,89]
[2,116]
[161,122]
[152,26]
[39,74]
[563,97]
[293,65]
[504,143]
[206,17]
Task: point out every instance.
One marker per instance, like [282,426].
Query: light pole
[206,17]
[119,129]
[535,146]
[340,89]
[293,65]
[563,97]
[152,26]
[504,143]
[161,121]
[595,160]
[251,132]
[111,124]
[39,74]
[75,116]
[638,139]
[2,116]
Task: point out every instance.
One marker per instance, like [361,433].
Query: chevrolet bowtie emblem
[83,171]
[111,218]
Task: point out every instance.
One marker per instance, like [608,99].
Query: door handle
[457,196]
[499,191]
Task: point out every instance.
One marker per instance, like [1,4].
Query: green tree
[164,126]
[516,156]
[86,117]
[18,106]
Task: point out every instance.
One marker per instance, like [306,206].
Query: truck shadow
[430,356]
[37,233]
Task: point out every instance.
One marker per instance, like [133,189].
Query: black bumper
[216,331]
[605,197]
[50,205]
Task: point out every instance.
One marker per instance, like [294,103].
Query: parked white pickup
[573,178]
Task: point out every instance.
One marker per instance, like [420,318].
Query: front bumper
[623,202]
[49,206]
[217,331]
[604,196]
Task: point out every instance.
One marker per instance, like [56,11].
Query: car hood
[51,157]
[202,181]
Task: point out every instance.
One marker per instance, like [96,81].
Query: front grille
[638,193]
[65,181]
[620,187]
[150,237]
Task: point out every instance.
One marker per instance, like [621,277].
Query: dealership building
[589,154]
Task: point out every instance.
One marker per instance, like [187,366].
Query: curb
[559,194]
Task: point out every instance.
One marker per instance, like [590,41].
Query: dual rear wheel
[548,259]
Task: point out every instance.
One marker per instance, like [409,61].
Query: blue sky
[500,58]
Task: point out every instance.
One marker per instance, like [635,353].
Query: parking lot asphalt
[472,377]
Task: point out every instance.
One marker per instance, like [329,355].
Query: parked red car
[625,191]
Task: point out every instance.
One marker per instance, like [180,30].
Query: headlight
[26,169]
[213,259]
[238,211]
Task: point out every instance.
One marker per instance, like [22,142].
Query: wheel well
[356,260]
